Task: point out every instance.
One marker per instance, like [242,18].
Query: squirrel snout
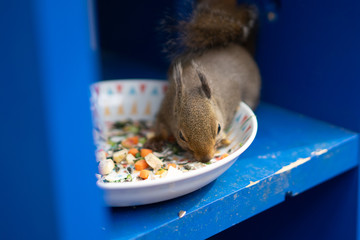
[204,157]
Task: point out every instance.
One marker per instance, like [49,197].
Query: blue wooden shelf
[291,153]
[50,56]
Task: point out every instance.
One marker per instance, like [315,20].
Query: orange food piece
[160,171]
[223,156]
[133,151]
[144,152]
[144,174]
[130,142]
[141,165]
[134,140]
[127,144]
[171,165]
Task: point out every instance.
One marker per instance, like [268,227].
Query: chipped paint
[181,213]
[253,183]
[273,156]
[235,196]
[293,165]
[319,152]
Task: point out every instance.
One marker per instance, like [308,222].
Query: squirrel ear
[177,75]
[204,83]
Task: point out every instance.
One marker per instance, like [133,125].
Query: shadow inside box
[115,66]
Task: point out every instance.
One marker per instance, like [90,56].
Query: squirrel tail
[212,23]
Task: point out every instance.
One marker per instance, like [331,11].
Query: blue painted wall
[27,206]
[309,59]
[48,60]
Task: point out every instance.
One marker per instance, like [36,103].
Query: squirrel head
[199,122]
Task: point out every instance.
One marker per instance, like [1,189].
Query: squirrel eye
[219,128]
[182,136]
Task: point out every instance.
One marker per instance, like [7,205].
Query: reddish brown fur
[210,78]
[216,23]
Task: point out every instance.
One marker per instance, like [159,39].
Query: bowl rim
[190,174]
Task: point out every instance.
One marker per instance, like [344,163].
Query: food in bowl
[124,158]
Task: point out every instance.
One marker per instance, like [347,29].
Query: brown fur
[214,24]
[209,79]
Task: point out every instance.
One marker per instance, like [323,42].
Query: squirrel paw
[155,143]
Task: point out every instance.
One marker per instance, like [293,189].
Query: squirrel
[209,78]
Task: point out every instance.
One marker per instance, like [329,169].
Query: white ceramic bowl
[117,100]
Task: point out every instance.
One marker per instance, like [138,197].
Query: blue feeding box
[297,180]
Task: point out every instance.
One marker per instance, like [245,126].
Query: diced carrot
[127,144]
[144,174]
[141,165]
[145,151]
[171,165]
[133,151]
[134,140]
[130,142]
[223,156]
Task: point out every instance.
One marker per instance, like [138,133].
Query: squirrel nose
[205,157]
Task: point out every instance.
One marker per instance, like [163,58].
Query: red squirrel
[209,78]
